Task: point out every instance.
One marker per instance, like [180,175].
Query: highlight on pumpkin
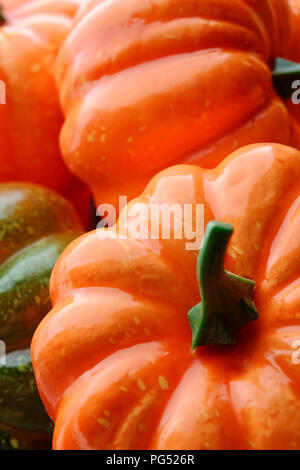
[149,227]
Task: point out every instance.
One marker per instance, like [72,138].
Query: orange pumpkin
[113,359]
[144,85]
[31,33]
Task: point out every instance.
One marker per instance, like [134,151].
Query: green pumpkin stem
[285,72]
[226,298]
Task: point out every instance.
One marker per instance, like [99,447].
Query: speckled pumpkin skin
[36,225]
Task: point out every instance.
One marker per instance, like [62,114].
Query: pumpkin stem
[226,298]
[285,72]
[2,18]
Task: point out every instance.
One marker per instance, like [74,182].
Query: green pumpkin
[36,225]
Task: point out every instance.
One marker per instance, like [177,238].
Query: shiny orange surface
[113,359]
[31,119]
[145,85]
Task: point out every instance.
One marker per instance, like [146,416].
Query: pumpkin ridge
[282,213]
[157,353]
[194,156]
[130,269]
[109,69]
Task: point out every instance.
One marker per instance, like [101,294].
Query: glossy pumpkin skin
[31,119]
[36,225]
[173,81]
[113,359]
